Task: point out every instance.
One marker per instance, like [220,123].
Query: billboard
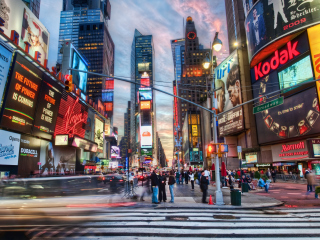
[22,92]
[146,151]
[29,155]
[314,42]
[145,95]
[47,108]
[5,60]
[251,157]
[107,126]
[72,116]
[269,20]
[146,136]
[229,96]
[99,133]
[79,78]
[145,105]
[115,152]
[9,144]
[19,17]
[107,95]
[297,116]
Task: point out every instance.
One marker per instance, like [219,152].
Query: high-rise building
[142,113]
[127,131]
[235,24]
[34,6]
[85,24]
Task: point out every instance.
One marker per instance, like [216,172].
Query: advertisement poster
[115,152]
[247,5]
[99,133]
[5,60]
[19,107]
[56,159]
[145,105]
[10,145]
[72,116]
[90,126]
[47,108]
[314,42]
[107,127]
[272,19]
[29,155]
[230,122]
[79,78]
[19,17]
[146,136]
[194,130]
[297,116]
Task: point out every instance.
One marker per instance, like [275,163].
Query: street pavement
[292,194]
[141,224]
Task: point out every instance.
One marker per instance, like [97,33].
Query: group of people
[158,183]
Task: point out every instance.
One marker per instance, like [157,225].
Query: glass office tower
[34,6]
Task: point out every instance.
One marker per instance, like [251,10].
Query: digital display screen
[316,150]
[22,93]
[146,136]
[298,72]
[79,78]
[47,108]
[107,96]
[251,158]
[145,105]
[145,95]
[99,133]
[115,152]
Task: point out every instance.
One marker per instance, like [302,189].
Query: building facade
[34,6]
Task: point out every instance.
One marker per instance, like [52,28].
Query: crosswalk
[142,223]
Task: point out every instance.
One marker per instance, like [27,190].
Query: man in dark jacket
[186,176]
[204,187]
[154,184]
[162,187]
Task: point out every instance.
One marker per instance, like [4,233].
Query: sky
[162,19]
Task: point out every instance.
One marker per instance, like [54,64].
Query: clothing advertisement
[56,159]
[247,5]
[269,20]
[20,18]
[99,133]
[29,155]
[5,60]
[10,146]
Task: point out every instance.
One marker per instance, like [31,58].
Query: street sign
[239,149]
[268,105]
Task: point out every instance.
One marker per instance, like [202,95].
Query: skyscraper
[142,71]
[34,6]
[235,23]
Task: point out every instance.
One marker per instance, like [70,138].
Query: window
[88,27]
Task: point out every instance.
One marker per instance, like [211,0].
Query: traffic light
[211,149]
[68,83]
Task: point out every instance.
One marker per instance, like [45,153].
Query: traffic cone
[210,200]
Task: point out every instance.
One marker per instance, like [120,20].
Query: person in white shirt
[191,175]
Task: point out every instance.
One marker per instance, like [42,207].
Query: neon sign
[288,147]
[279,58]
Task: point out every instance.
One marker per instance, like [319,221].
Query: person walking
[268,173]
[154,184]
[204,187]
[273,175]
[186,176]
[171,185]
[309,187]
[178,177]
[191,175]
[162,187]
[182,176]
[199,176]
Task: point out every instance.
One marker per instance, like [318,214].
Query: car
[113,178]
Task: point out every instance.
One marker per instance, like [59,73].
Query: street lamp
[217,43]
[206,61]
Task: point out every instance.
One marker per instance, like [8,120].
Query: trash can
[245,187]
[235,197]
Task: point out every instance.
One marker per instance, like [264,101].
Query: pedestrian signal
[211,149]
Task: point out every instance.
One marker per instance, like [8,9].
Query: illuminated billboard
[145,105]
[251,157]
[18,17]
[269,20]
[115,152]
[22,92]
[79,78]
[5,62]
[99,133]
[9,144]
[146,136]
[145,95]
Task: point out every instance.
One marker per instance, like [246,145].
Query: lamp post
[216,45]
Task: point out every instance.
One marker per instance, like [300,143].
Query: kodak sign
[314,42]
[278,58]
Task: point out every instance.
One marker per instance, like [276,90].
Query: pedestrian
[191,175]
[145,188]
[309,187]
[171,185]
[199,176]
[311,181]
[273,175]
[186,176]
[204,187]
[154,184]
[178,177]
[162,187]
[268,173]
[182,176]
[207,175]
[261,183]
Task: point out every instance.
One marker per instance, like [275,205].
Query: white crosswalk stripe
[142,224]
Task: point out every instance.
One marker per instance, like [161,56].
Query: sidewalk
[184,198]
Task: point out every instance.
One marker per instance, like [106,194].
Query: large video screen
[79,78]
[19,106]
[146,136]
[145,95]
[115,152]
[298,72]
[269,20]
